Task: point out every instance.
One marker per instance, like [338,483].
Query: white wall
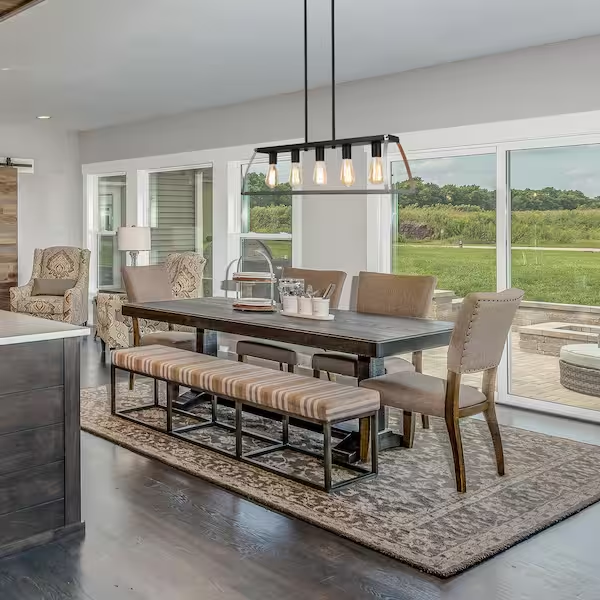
[547,80]
[50,200]
[536,82]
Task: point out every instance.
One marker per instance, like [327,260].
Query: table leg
[348,450]
[206,343]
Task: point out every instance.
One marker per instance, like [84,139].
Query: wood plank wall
[8,233]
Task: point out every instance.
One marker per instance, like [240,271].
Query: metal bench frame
[252,456]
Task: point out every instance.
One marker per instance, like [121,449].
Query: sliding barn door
[8,233]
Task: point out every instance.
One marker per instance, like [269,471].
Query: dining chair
[477,343]
[384,294]
[319,280]
[152,284]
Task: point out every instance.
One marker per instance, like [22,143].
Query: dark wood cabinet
[40,498]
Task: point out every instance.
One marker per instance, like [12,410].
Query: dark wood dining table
[370,337]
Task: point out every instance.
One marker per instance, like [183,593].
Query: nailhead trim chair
[477,342]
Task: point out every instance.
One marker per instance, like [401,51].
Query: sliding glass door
[447,228]
[555,258]
[522,216]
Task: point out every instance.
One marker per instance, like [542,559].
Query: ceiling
[91,63]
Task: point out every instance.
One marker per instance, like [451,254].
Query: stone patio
[534,376]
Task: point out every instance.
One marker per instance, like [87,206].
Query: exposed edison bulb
[376,170]
[296,175]
[347,176]
[320,173]
[271,178]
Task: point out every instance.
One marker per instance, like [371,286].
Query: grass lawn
[545,275]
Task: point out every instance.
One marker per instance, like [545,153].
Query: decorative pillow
[52,287]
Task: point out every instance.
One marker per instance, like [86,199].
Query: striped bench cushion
[294,395]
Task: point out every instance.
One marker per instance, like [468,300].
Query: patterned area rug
[411,511]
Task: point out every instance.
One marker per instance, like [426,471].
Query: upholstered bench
[286,394]
[580,368]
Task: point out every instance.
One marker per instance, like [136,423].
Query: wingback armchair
[58,262]
[116,331]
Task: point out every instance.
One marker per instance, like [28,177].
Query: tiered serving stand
[240,278]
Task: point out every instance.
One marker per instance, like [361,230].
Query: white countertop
[17,328]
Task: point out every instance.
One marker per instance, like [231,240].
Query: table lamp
[134,240]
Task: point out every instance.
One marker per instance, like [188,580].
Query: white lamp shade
[134,238]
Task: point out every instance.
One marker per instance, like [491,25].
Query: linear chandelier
[377,174]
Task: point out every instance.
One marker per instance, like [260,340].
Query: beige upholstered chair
[185,271]
[478,340]
[384,294]
[58,262]
[152,284]
[319,280]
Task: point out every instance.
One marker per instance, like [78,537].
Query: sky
[566,168]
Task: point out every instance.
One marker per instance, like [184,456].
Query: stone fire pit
[549,338]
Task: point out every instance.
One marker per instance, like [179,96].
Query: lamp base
[134,257]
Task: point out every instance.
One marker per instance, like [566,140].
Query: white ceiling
[91,63]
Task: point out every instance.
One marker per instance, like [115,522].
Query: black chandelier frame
[379,143]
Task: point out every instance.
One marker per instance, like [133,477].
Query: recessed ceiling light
[44,117]
[6,69]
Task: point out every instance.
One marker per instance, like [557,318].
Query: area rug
[411,511]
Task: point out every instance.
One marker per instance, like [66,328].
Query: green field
[568,277]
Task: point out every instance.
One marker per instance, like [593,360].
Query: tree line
[549,198]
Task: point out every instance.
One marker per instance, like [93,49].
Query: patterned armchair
[58,262]
[116,331]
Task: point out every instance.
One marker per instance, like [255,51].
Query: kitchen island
[40,479]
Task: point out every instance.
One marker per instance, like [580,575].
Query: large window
[111,215]
[266,221]
[181,207]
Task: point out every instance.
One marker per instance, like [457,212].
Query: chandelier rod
[306,71]
[333,69]
[332,4]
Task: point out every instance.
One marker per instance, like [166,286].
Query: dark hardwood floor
[154,533]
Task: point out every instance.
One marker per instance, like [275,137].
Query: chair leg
[291,368]
[408,420]
[330,376]
[492,421]
[131,381]
[425,421]
[365,430]
[457,453]
[316,374]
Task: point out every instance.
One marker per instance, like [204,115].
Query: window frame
[240,215]
[91,220]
